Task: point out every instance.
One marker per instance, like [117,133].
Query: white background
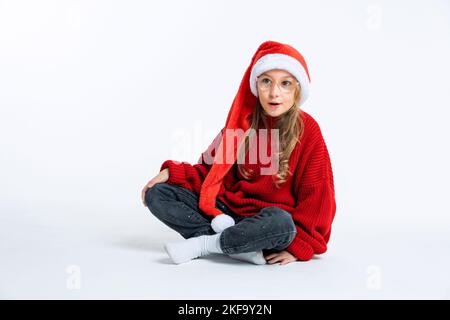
[95,95]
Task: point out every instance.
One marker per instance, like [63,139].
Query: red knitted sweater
[308,195]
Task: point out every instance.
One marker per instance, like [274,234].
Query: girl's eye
[286,83]
[265,80]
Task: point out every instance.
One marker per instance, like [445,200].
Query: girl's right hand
[163,176]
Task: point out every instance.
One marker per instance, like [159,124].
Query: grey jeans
[271,230]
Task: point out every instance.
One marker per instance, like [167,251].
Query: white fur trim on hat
[284,62]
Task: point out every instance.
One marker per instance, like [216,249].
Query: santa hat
[269,55]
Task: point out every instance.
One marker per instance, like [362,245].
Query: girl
[228,203]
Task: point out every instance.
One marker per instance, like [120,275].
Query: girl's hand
[163,176]
[283,256]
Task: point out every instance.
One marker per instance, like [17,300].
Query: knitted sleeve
[190,176]
[316,205]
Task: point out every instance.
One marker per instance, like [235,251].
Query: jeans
[271,230]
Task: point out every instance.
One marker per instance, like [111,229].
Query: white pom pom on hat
[221,222]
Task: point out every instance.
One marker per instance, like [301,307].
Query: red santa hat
[269,55]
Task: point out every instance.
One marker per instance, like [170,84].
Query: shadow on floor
[140,243]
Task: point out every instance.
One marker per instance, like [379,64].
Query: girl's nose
[274,90]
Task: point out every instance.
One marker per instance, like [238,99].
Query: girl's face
[276,91]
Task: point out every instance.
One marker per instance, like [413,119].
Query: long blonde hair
[291,129]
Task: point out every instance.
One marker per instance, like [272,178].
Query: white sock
[256,257]
[186,250]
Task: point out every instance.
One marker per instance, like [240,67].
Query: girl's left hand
[283,257]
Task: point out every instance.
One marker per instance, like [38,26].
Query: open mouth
[274,105]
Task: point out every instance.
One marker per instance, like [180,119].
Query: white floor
[68,258]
